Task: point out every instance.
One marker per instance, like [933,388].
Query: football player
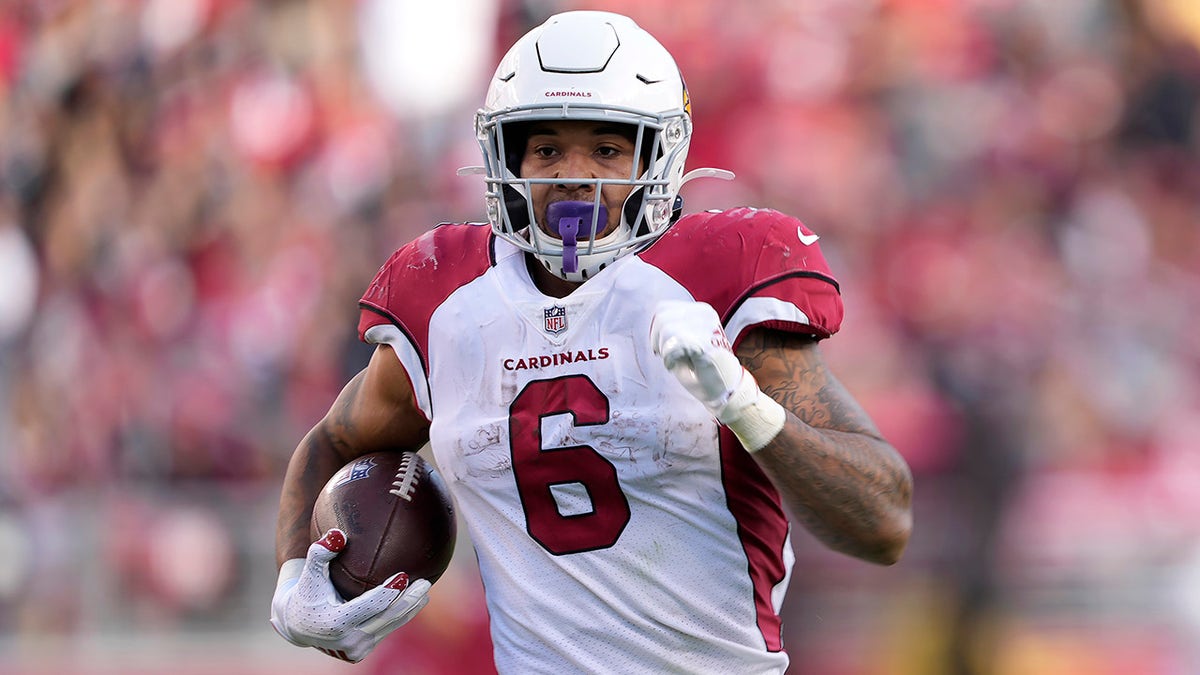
[628,405]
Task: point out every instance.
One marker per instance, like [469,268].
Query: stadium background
[193,193]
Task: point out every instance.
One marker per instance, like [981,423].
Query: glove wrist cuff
[289,574]
[754,417]
[289,571]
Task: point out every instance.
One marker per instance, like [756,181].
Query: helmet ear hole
[633,210]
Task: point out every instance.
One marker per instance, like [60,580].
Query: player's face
[582,150]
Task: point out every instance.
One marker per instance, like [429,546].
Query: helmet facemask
[647,211]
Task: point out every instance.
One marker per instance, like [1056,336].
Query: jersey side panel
[762,529]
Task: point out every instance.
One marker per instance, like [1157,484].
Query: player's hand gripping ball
[397,517]
[307,611]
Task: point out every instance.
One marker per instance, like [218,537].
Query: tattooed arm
[374,412]
[837,474]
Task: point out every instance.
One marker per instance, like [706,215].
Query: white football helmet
[597,66]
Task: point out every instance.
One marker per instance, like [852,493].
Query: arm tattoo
[837,474]
[340,419]
[799,381]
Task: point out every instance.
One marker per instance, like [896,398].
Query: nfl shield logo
[360,469]
[556,319]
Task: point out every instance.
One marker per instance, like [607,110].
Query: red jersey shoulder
[419,276]
[723,256]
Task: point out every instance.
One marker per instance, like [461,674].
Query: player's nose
[575,165]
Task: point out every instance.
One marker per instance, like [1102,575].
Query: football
[397,517]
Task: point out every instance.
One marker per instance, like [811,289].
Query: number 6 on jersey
[538,469]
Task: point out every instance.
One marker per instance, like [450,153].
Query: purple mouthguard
[571,221]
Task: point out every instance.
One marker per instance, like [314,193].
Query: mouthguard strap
[571,221]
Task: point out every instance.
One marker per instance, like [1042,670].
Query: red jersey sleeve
[756,267]
[418,277]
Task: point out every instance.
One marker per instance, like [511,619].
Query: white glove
[308,612]
[693,346]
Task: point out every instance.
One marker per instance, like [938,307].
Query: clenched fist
[689,338]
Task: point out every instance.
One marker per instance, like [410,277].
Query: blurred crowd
[194,193]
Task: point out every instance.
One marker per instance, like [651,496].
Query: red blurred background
[194,193]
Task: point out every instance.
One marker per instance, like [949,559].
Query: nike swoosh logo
[806,239]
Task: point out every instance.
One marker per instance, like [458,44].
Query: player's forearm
[370,414]
[311,466]
[850,489]
[836,473]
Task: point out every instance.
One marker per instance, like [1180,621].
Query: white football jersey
[618,527]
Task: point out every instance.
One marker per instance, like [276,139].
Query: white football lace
[406,479]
